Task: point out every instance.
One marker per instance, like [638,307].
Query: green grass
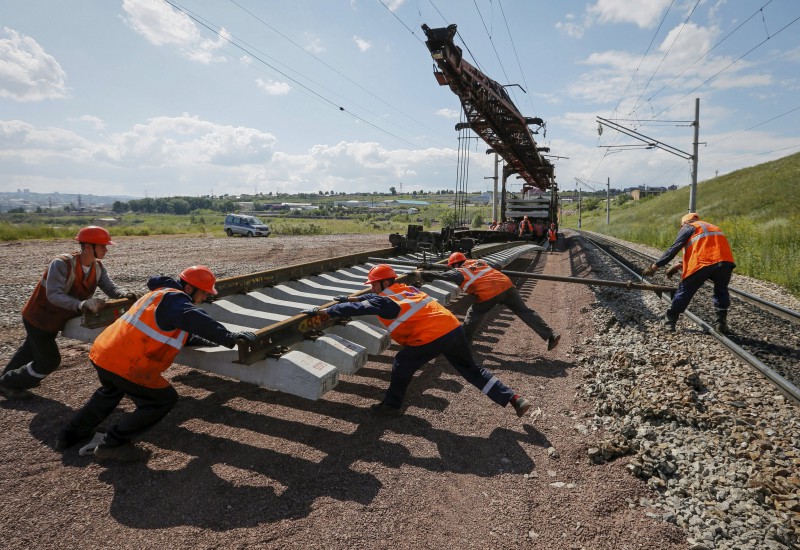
[758,208]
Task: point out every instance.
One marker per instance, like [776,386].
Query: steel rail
[786,387]
[771,307]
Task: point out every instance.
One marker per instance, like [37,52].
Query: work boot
[14,393]
[521,406]
[68,438]
[668,322]
[127,452]
[721,324]
[553,340]
[382,409]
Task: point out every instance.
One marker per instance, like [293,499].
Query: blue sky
[193,97]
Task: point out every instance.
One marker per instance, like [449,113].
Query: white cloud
[95,122]
[314,45]
[273,87]
[162,25]
[448,113]
[362,44]
[643,14]
[27,72]
[394,5]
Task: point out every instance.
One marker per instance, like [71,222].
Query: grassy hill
[758,208]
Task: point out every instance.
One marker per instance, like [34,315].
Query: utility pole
[580,204]
[693,190]
[494,187]
[608,201]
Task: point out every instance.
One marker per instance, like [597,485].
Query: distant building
[639,193]
[404,202]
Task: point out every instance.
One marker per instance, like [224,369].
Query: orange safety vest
[707,246]
[135,348]
[421,320]
[482,280]
[45,315]
[552,235]
[526,223]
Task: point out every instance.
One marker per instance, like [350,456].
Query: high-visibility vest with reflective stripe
[482,280]
[421,321]
[45,315]
[707,246]
[135,348]
[552,235]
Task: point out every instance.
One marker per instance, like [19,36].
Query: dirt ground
[237,466]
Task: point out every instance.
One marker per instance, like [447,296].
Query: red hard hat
[93,234]
[456,257]
[201,277]
[380,272]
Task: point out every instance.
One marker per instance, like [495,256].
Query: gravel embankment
[716,440]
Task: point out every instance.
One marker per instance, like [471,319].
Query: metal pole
[494,191]
[608,201]
[693,190]
[503,197]
[580,203]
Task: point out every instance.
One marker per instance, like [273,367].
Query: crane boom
[489,110]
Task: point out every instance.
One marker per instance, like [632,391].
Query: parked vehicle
[247,226]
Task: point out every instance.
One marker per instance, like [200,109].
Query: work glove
[132,296]
[342,299]
[650,271]
[673,270]
[247,336]
[312,311]
[428,276]
[92,305]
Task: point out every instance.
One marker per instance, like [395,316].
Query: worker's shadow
[227,479]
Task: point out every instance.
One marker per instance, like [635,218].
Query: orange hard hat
[199,276]
[690,217]
[380,272]
[455,258]
[93,234]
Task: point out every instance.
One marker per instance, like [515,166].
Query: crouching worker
[131,354]
[65,290]
[427,330]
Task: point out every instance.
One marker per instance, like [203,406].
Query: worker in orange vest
[490,288]
[525,227]
[706,255]
[65,290]
[427,330]
[552,237]
[132,353]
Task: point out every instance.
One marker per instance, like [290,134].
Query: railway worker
[552,237]
[427,330]
[525,227]
[538,229]
[490,288]
[706,255]
[132,353]
[510,226]
[65,289]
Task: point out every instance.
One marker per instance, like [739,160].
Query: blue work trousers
[152,404]
[513,301]
[719,273]
[455,349]
[37,357]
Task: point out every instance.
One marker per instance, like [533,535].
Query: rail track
[296,353]
[763,334]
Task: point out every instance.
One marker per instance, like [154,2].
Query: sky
[212,97]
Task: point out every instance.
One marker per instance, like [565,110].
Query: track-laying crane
[490,112]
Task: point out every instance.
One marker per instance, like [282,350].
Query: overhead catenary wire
[316,94]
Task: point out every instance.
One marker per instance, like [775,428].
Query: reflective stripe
[705,233]
[416,305]
[472,278]
[135,321]
[489,385]
[29,368]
